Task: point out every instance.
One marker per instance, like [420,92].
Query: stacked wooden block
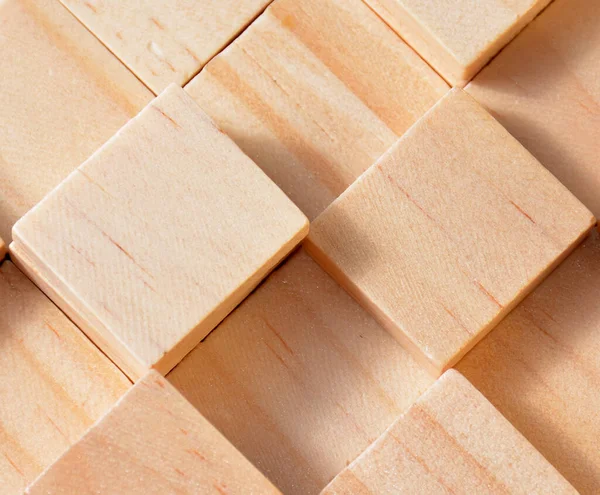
[436,330]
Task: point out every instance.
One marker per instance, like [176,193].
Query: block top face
[448,231]
[158,443]
[457,37]
[156,237]
[452,440]
[165,43]
[558,123]
[315,92]
[55,382]
[63,95]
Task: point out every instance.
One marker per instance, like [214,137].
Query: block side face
[470,229]
[159,444]
[61,101]
[168,182]
[320,364]
[549,346]
[560,124]
[55,383]
[296,92]
[166,45]
[452,440]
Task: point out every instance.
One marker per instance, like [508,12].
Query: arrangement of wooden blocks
[170,324]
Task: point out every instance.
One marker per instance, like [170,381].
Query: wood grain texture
[165,43]
[451,441]
[457,37]
[54,383]
[300,378]
[545,89]
[314,92]
[156,237]
[445,234]
[63,95]
[541,367]
[152,442]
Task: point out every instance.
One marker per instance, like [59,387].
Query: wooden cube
[165,43]
[152,442]
[156,237]
[314,92]
[445,234]
[544,87]
[451,441]
[458,38]
[54,382]
[300,378]
[63,95]
[540,367]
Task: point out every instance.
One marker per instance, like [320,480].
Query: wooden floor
[171,323]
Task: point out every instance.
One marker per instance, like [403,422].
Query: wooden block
[152,442]
[457,38]
[448,231]
[63,95]
[545,89]
[54,383]
[540,367]
[300,378]
[165,43]
[2,250]
[314,92]
[156,237]
[451,441]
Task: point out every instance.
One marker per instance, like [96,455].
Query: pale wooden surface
[54,383]
[448,231]
[458,37]
[155,238]
[541,366]
[165,42]
[152,442]
[451,441]
[63,95]
[300,378]
[314,92]
[545,89]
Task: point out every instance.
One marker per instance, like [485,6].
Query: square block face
[545,89]
[540,367]
[165,43]
[451,441]
[457,37]
[300,378]
[155,238]
[314,92]
[158,443]
[448,231]
[54,383]
[63,95]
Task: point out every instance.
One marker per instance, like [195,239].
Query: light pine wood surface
[457,37]
[545,89]
[63,94]
[165,43]
[54,383]
[156,237]
[448,231]
[152,442]
[300,378]
[314,92]
[452,440]
[540,367]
